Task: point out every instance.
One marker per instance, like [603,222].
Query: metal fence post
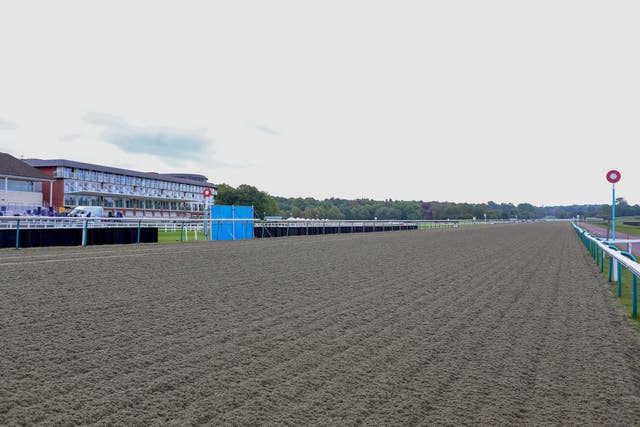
[84,232]
[610,267]
[139,224]
[619,280]
[634,304]
[181,230]
[18,235]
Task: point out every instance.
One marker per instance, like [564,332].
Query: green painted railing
[617,258]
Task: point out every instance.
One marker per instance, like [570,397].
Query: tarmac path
[601,231]
[491,325]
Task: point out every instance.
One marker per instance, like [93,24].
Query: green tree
[247,195]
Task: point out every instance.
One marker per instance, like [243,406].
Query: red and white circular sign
[613,176]
[206,192]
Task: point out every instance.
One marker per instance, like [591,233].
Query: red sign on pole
[613,176]
[206,192]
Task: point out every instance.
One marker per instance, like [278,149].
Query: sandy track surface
[485,325]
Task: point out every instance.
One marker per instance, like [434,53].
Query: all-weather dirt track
[495,325]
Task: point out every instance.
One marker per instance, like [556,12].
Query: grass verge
[621,227]
[626,300]
[174,236]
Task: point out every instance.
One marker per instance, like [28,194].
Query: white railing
[171,223]
[259,228]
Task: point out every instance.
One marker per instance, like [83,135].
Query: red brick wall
[58,189]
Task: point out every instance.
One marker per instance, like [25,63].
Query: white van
[87,212]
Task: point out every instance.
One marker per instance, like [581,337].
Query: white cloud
[7,125]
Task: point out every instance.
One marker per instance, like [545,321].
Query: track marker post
[613,176]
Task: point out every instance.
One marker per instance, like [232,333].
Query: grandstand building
[123,192]
[21,187]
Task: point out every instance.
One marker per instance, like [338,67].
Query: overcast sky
[510,101]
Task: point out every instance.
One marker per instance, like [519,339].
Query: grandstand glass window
[108,202]
[119,202]
[128,203]
[70,200]
[22,186]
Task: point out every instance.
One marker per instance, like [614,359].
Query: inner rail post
[18,234]
[634,297]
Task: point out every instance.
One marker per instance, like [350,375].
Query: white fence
[174,224]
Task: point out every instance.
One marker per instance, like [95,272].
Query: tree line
[366,209]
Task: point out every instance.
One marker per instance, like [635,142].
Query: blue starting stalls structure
[230,222]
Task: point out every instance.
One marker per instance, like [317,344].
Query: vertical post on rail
[18,234]
[619,280]
[181,230]
[84,233]
[139,226]
[610,267]
[634,304]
